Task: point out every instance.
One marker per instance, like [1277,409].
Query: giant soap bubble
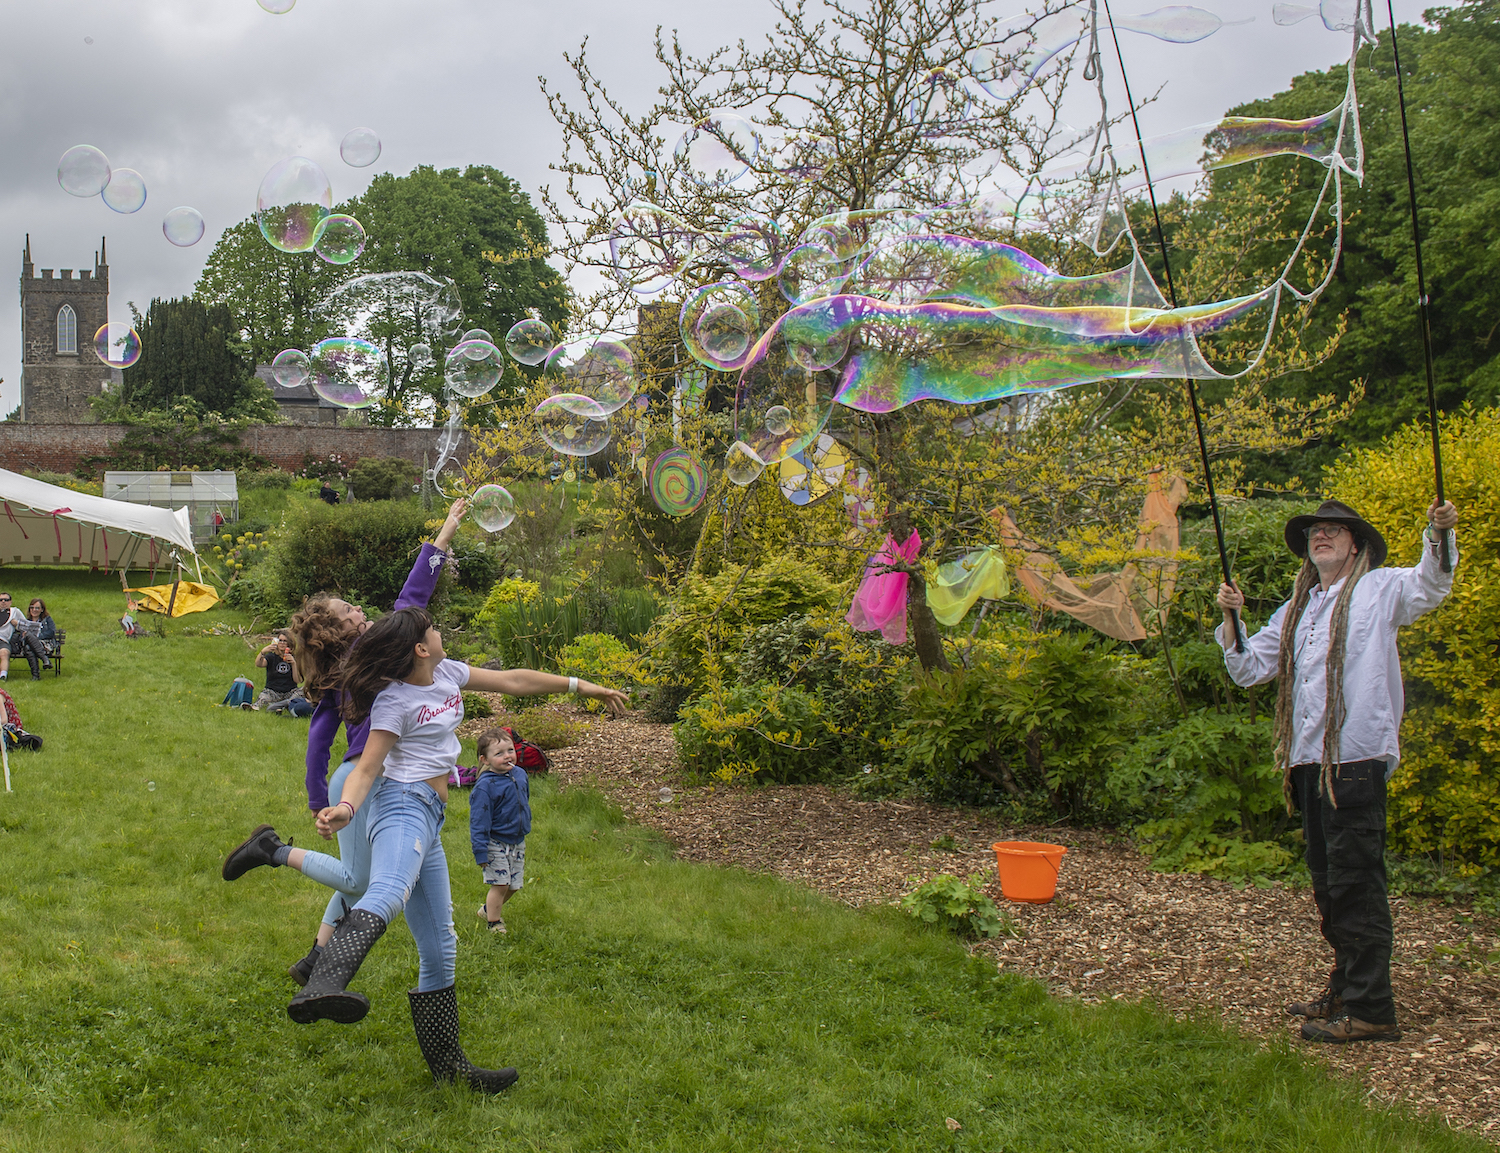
[530,341]
[718,323]
[719,149]
[492,507]
[600,368]
[83,171]
[360,147]
[348,372]
[294,199]
[405,307]
[649,247]
[473,368]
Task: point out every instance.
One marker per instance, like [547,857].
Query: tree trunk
[924,627]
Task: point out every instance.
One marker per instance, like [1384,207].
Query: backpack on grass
[529,756]
[240,695]
[14,735]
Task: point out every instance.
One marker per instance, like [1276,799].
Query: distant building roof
[301,394]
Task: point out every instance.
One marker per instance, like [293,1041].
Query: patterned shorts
[506,866]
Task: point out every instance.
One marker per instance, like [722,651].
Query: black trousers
[1346,856]
[27,646]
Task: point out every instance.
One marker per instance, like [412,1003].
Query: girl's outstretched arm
[357,785]
[530,683]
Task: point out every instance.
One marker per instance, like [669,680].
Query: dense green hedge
[362,552]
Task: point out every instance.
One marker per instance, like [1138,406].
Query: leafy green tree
[191,352]
[1453,108]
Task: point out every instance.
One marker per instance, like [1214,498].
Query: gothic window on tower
[67,331]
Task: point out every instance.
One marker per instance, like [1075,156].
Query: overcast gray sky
[203,96]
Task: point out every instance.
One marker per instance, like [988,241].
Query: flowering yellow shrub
[1447,792]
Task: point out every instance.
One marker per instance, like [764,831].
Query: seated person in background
[281,674]
[328,494]
[14,637]
[39,623]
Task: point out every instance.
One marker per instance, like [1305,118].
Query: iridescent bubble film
[126,191]
[741,465]
[348,372]
[1176,24]
[942,103]
[419,356]
[678,482]
[598,367]
[291,368]
[1239,140]
[753,247]
[559,423]
[780,406]
[117,344]
[277,7]
[477,334]
[183,226]
[83,171]
[473,368]
[718,323]
[1286,14]
[1007,67]
[340,239]
[649,247]
[530,342]
[360,147]
[294,198]
[411,307]
[492,507]
[719,149]
[811,271]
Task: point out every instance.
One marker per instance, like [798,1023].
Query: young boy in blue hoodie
[499,819]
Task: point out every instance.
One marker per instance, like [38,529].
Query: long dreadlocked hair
[1286,680]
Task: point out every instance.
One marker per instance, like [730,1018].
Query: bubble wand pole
[1192,390]
[1422,313]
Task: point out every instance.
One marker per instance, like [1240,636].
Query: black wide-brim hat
[1337,512]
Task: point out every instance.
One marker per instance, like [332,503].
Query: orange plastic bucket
[1028,870]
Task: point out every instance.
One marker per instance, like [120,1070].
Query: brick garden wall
[59,447]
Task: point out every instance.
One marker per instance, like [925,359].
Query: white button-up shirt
[1384,600]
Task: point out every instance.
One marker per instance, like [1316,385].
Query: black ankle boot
[434,1016]
[259,848]
[301,970]
[325,997]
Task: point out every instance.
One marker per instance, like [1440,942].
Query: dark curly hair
[385,653]
[320,641]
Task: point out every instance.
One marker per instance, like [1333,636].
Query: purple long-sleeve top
[326,718]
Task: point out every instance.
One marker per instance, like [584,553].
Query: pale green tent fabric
[961,582]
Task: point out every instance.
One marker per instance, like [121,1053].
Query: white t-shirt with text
[425,719]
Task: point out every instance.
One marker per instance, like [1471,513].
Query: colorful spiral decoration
[678,482]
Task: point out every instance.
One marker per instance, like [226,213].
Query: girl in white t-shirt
[413,695]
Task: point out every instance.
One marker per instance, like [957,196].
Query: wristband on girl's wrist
[573,686]
[351,808]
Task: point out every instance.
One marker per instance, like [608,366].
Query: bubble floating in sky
[718,323]
[360,147]
[530,341]
[118,345]
[473,367]
[291,368]
[83,171]
[811,271]
[277,7]
[598,367]
[419,356]
[348,372]
[942,103]
[571,426]
[183,226]
[409,307]
[1007,67]
[678,482]
[1241,139]
[492,507]
[126,191]
[340,239]
[719,149]
[294,199]
[1176,24]
[753,246]
[649,247]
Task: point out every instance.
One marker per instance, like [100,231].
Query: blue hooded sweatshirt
[499,810]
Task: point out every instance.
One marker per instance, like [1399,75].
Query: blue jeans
[409,871]
[349,872]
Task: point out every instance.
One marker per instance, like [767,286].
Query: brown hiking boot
[1326,1007]
[1342,1030]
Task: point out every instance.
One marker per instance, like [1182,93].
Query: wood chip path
[1116,930]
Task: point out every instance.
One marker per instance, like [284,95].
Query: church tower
[60,371]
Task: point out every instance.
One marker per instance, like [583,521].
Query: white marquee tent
[45,524]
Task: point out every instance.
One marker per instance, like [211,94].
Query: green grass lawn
[649,1004]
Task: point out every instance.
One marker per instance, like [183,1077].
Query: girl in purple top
[324,630]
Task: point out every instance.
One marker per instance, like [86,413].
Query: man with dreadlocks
[1338,708]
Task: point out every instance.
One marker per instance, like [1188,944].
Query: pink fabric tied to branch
[880,602]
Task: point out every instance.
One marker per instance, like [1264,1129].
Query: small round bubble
[473,368]
[515,198]
[183,226]
[419,356]
[530,341]
[778,419]
[718,323]
[492,507]
[291,368]
[117,344]
[562,423]
[348,372]
[293,200]
[83,171]
[360,147]
[277,7]
[741,465]
[126,191]
[477,334]
[340,239]
[151,786]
